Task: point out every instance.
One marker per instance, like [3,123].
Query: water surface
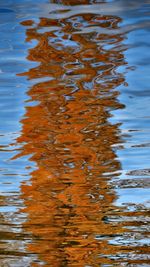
[74,133]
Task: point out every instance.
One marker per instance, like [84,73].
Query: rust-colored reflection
[68,201]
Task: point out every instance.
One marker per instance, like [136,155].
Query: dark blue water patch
[6,10]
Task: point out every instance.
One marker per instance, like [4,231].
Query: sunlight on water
[74,133]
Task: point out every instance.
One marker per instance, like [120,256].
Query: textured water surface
[74,133]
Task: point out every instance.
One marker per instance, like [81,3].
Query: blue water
[131,182]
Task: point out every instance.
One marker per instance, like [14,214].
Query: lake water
[74,133]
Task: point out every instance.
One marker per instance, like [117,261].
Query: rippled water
[74,133]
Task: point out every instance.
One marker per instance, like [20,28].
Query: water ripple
[74,137]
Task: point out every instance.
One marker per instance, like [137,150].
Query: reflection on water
[75,170]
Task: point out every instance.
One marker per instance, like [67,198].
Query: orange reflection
[69,135]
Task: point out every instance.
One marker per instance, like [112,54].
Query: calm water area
[74,133]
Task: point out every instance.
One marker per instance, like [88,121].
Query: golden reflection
[70,138]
